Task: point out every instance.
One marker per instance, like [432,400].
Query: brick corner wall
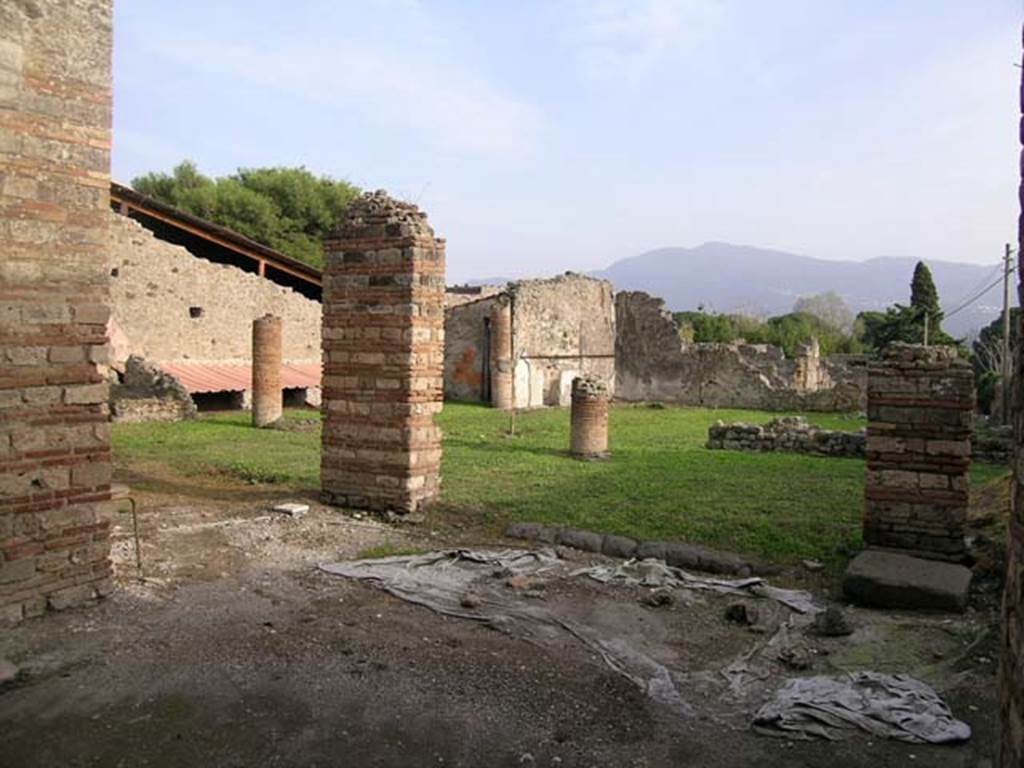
[55,101]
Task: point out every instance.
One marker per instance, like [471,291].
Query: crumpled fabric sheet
[441,580]
[655,573]
[889,706]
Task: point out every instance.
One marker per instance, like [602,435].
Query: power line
[977,296]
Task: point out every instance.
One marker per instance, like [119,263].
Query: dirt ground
[236,651]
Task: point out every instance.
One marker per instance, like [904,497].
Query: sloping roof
[127,199]
[213,377]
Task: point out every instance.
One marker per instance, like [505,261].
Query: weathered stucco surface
[171,306]
[653,364]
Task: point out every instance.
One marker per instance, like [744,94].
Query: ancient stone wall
[791,434]
[653,364]
[383,337]
[920,417]
[561,328]
[54,219]
[1011,672]
[170,306]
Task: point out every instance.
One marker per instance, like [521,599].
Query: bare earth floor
[236,651]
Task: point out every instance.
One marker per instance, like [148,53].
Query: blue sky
[542,136]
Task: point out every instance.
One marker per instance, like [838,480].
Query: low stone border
[673,553]
[793,434]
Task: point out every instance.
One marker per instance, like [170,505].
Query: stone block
[588,541]
[882,579]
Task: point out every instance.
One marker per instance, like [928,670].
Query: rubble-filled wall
[653,364]
[791,434]
[562,328]
[171,306]
[54,221]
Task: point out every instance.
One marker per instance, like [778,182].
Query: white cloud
[630,39]
[453,108]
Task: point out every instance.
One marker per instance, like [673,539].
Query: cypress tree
[924,299]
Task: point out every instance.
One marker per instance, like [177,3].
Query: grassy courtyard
[660,483]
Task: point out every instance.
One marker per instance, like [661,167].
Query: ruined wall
[466,350]
[791,434]
[1011,671]
[170,306]
[920,417]
[147,393]
[652,364]
[54,218]
[553,322]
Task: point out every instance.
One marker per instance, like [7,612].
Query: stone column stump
[383,342]
[589,418]
[267,401]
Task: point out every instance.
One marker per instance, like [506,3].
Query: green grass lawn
[660,482]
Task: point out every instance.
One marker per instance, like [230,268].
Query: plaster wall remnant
[170,306]
[653,364]
[920,418]
[55,99]
[561,328]
[383,341]
[267,402]
[1011,671]
[589,434]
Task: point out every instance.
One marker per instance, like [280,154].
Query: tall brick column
[920,418]
[1011,673]
[501,354]
[383,341]
[589,438]
[54,215]
[267,402]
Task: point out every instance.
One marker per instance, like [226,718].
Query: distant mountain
[738,278]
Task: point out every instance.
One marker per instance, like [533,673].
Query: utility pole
[1006,364]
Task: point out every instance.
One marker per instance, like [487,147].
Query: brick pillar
[501,354]
[589,418]
[266,371]
[1011,672]
[383,341]
[920,418]
[54,222]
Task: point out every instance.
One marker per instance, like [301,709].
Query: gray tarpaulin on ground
[892,706]
[444,580]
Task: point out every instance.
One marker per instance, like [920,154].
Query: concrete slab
[889,580]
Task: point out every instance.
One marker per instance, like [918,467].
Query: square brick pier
[383,343]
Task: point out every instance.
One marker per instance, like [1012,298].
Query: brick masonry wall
[171,306]
[54,215]
[383,341]
[920,418]
[1011,673]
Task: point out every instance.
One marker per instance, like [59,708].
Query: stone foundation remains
[267,402]
[653,364]
[791,434]
[589,415]
[54,227]
[383,337]
[561,328]
[146,393]
[920,416]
